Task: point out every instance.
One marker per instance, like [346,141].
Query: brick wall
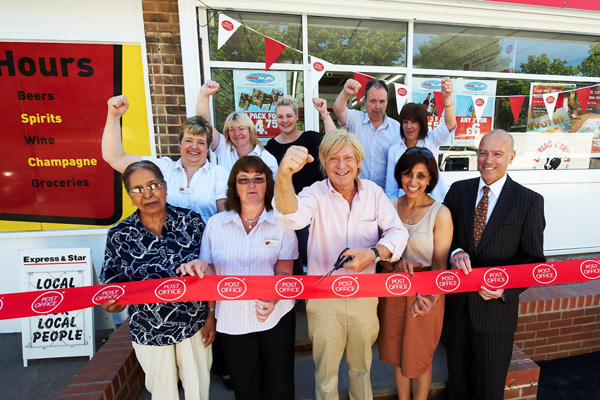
[113,373]
[163,45]
[559,321]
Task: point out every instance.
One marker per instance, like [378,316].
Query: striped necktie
[480,217]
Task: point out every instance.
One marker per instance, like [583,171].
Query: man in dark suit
[496,222]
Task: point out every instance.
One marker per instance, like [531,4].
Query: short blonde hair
[287,101]
[244,120]
[333,142]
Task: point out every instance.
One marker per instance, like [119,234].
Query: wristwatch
[377,257]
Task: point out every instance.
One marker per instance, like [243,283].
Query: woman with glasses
[171,340]
[414,132]
[194,182]
[239,133]
[257,335]
[410,327]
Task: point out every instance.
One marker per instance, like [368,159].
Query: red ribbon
[27,304]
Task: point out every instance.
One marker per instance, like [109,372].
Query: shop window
[249,46]
[257,100]
[357,41]
[505,50]
[549,134]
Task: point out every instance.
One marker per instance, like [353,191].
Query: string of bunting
[44,302]
[274,48]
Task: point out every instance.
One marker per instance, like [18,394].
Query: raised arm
[203,108]
[321,106]
[450,116]
[351,88]
[112,147]
[294,159]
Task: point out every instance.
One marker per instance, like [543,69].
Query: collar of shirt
[495,190]
[169,222]
[234,217]
[206,166]
[367,120]
[359,186]
[257,151]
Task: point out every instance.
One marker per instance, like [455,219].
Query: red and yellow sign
[53,97]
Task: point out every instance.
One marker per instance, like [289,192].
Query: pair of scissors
[341,260]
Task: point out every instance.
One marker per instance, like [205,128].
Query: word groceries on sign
[53,98]
[295,287]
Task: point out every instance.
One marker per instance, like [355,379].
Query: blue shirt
[133,253]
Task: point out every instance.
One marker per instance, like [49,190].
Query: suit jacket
[513,235]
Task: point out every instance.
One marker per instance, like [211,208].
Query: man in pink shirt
[344,212]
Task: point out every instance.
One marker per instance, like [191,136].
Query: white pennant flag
[479,103]
[402,95]
[227,27]
[550,102]
[318,69]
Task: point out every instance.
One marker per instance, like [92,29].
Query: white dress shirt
[375,141]
[494,193]
[334,225]
[227,155]
[226,245]
[208,184]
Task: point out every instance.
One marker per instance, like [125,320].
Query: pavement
[562,379]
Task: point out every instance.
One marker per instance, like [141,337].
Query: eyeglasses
[424,152]
[139,191]
[246,181]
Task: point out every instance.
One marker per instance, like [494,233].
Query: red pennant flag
[560,99]
[438,98]
[273,49]
[516,103]
[583,95]
[362,79]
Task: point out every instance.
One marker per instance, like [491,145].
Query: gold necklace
[250,222]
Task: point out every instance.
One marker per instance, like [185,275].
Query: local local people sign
[65,334]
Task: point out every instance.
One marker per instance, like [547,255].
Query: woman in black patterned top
[171,340]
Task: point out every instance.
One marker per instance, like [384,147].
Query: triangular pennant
[318,69]
[362,79]
[227,27]
[550,102]
[479,103]
[402,95]
[438,99]
[273,50]
[516,104]
[560,100]
[583,95]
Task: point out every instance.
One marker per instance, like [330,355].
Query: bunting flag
[516,104]
[318,69]
[583,95]
[438,99]
[560,100]
[403,93]
[273,50]
[479,103]
[227,27]
[362,79]
[550,102]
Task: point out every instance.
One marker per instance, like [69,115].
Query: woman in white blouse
[239,134]
[193,182]
[257,335]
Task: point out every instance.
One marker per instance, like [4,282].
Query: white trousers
[165,365]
